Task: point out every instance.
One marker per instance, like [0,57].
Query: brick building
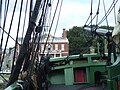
[59,46]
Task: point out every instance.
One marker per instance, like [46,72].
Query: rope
[49,17]
[91,14]
[5,12]
[115,15]
[86,21]
[57,20]
[25,45]
[97,12]
[42,18]
[108,12]
[104,17]
[17,35]
[24,21]
[8,34]
[51,25]
[105,13]
[36,47]
[0,13]
[30,11]
[92,20]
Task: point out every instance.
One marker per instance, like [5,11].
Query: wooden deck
[75,87]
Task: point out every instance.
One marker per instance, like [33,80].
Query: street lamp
[49,48]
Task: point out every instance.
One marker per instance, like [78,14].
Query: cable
[0,13]
[17,34]
[5,8]
[87,20]
[0,24]
[51,25]
[97,12]
[105,13]
[24,21]
[8,34]
[115,15]
[35,48]
[91,38]
[108,12]
[49,17]
[91,13]
[57,20]
[5,12]
[92,20]
[30,12]
[25,45]
[95,16]
[43,18]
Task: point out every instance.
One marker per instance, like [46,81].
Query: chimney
[64,34]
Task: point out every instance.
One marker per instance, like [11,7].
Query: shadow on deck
[75,87]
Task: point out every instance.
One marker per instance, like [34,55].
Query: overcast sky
[76,12]
[73,13]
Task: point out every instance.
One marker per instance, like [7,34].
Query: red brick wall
[66,48]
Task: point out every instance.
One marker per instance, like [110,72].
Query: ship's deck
[75,87]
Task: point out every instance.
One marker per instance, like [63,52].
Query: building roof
[51,39]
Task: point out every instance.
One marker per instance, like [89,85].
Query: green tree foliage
[107,27]
[77,42]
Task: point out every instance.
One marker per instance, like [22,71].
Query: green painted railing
[114,74]
[87,61]
[64,74]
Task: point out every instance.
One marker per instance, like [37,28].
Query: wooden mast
[24,47]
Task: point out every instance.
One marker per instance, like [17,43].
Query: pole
[24,47]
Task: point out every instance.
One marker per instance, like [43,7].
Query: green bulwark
[113,80]
[86,69]
[15,86]
[79,70]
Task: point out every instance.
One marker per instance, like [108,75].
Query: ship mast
[24,47]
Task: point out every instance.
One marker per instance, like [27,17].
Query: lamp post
[49,48]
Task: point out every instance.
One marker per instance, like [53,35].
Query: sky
[76,12]
[73,13]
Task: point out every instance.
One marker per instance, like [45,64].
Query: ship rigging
[30,69]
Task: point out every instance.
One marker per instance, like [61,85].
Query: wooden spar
[24,47]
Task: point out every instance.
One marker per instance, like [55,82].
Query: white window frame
[62,47]
[42,47]
[56,46]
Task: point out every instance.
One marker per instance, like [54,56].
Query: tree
[107,27]
[80,40]
[77,42]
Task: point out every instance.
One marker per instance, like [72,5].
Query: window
[62,47]
[56,46]
[57,55]
[51,47]
[42,47]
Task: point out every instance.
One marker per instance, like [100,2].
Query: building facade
[56,46]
